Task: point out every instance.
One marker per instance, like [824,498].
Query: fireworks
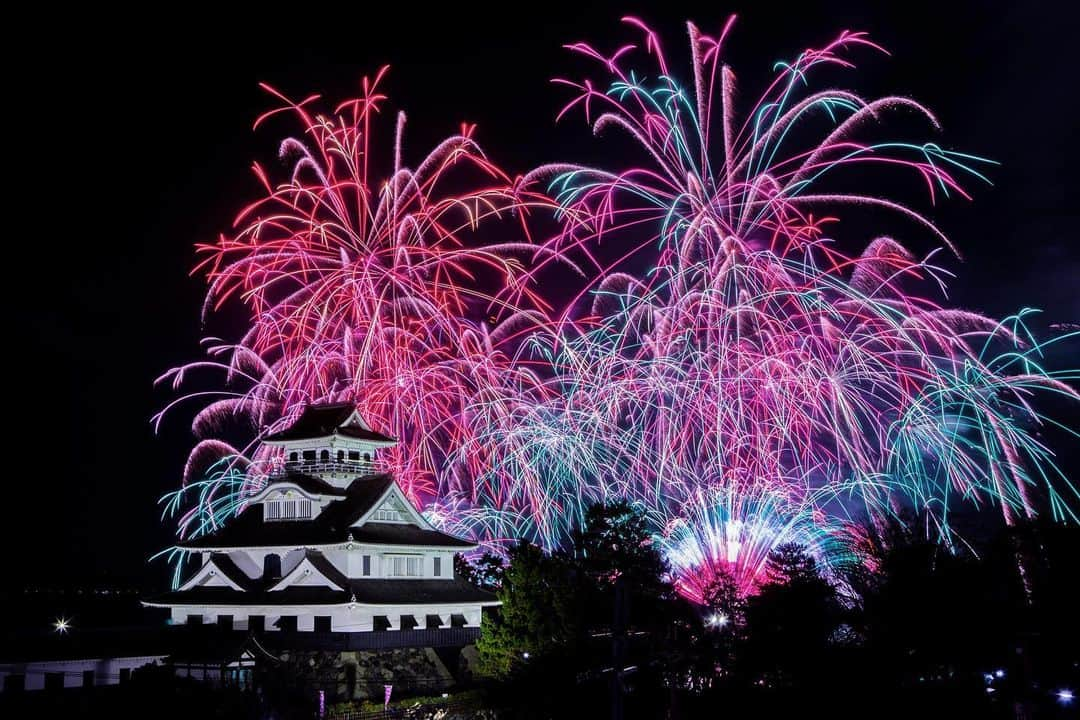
[360,287]
[758,385]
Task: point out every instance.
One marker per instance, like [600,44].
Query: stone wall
[363,674]
[415,669]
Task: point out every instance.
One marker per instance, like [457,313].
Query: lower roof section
[362,592]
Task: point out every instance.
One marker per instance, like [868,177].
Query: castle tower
[331,544]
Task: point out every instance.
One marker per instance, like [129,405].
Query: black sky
[130,139]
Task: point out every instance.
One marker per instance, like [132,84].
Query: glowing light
[1065,697]
[999,673]
[62,625]
[760,383]
[717,620]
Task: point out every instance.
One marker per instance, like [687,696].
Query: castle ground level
[343,666]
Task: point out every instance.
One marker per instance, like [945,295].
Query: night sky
[130,145]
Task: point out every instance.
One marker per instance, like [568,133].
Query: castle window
[367,457]
[388,513]
[341,456]
[408,622]
[88,678]
[367,565]
[404,566]
[380,622]
[294,456]
[225,622]
[256,623]
[354,454]
[322,623]
[324,456]
[438,567]
[287,506]
[309,456]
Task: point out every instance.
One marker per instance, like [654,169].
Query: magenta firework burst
[364,286]
[759,384]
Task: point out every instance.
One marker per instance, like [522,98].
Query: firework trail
[757,367]
[757,385]
[365,287]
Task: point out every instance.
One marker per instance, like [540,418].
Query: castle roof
[324,420]
[308,483]
[333,525]
[376,533]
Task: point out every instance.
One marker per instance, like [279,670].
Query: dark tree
[484,572]
[790,563]
[790,623]
[615,542]
[538,616]
[724,599]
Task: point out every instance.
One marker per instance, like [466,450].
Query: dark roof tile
[333,525]
[228,568]
[317,421]
[397,534]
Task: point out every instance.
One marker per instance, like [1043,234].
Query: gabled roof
[377,533]
[318,421]
[219,563]
[361,497]
[312,561]
[230,569]
[330,526]
[308,483]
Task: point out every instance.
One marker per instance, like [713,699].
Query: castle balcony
[357,468]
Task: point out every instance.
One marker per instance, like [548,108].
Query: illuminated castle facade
[330,544]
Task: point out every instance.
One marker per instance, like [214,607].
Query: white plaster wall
[290,560]
[309,578]
[244,561]
[106,670]
[338,558]
[343,618]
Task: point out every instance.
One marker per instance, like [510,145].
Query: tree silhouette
[790,622]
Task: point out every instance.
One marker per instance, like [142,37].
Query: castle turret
[330,442]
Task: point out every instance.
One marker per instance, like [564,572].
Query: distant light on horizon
[1065,697]
[62,625]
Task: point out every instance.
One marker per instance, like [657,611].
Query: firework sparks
[758,385]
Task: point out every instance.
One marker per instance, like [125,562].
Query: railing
[314,467]
[428,710]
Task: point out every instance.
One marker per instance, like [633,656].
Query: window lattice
[287,508]
[405,566]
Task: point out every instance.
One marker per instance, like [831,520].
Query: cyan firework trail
[757,385]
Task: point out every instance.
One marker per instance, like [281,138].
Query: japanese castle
[330,544]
